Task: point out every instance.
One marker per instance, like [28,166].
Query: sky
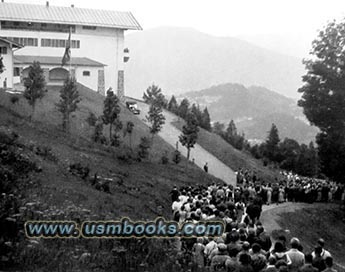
[248,19]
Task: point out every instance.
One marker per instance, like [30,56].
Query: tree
[155,117]
[206,120]
[35,85]
[69,99]
[143,147]
[154,94]
[189,133]
[195,109]
[218,128]
[323,97]
[172,105]
[183,108]
[111,112]
[272,142]
[129,131]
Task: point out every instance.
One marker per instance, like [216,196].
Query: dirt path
[170,134]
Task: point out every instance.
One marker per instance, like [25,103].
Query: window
[58,43]
[89,27]
[3,50]
[16,71]
[24,41]
[37,26]
[86,73]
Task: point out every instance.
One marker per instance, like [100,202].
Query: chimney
[72,6]
[47,4]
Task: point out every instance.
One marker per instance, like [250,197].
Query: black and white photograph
[172,136]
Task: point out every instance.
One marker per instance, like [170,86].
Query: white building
[97,42]
[6,52]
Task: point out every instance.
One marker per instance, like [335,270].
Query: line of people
[245,245]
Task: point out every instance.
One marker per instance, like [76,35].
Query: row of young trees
[35,89]
[157,101]
[182,110]
[231,135]
[154,94]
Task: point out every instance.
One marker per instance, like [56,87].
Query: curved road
[170,134]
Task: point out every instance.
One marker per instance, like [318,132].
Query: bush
[144,146]
[91,119]
[165,159]
[14,99]
[115,140]
[79,170]
[177,157]
[46,152]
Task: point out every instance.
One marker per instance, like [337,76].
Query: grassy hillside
[49,190]
[230,156]
[311,223]
[77,147]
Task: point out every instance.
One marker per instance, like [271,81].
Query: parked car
[133,107]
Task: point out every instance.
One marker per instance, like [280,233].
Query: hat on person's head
[321,242]
[246,246]
[294,242]
[222,247]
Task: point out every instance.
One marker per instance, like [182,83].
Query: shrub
[91,119]
[165,159]
[14,99]
[176,157]
[144,147]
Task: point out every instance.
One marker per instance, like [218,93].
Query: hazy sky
[227,17]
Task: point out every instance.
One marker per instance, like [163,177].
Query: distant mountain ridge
[254,109]
[184,59]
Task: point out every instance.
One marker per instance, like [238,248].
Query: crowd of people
[291,187]
[245,246]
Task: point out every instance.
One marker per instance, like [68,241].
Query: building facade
[97,42]
[6,54]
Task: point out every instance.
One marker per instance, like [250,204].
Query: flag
[67,56]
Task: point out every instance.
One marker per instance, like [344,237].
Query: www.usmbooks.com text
[125,228]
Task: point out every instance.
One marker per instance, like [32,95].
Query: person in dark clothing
[174,194]
[206,167]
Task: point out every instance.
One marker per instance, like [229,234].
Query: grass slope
[230,156]
[309,224]
[144,192]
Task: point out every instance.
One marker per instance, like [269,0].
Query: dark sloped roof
[77,61]
[67,15]
[18,45]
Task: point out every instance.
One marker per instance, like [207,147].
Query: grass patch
[230,156]
[309,224]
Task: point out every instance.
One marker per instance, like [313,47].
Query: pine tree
[154,94]
[35,85]
[206,120]
[189,133]
[183,108]
[155,117]
[218,128]
[69,99]
[172,105]
[111,112]
[272,143]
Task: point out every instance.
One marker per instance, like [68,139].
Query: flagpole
[70,52]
